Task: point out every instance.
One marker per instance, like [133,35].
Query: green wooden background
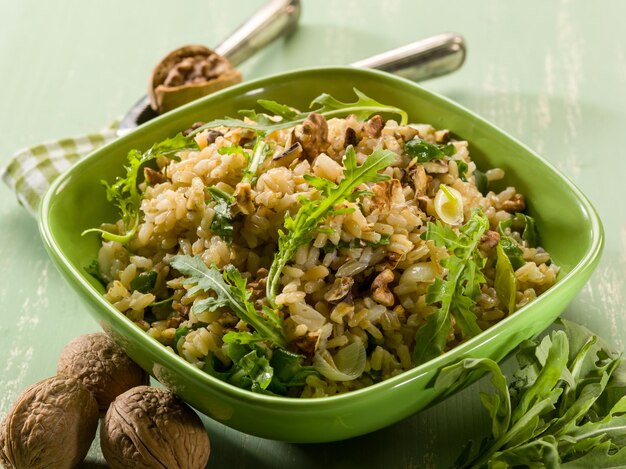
[551,73]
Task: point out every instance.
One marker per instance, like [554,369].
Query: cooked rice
[176,218]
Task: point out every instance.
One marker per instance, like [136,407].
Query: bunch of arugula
[565,407]
[456,292]
[124,192]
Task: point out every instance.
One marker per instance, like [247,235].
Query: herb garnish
[230,291]
[524,224]
[93,269]
[565,407]
[299,230]
[505,281]
[222,223]
[512,251]
[424,151]
[455,294]
[285,116]
[124,193]
[259,154]
[144,282]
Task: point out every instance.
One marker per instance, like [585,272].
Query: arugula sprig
[424,152]
[298,230]
[285,116]
[565,407]
[230,290]
[124,192]
[455,294]
[222,223]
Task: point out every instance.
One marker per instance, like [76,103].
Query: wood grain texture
[552,74]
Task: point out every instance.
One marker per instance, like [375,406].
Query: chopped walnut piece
[153,177]
[380,292]
[489,239]
[350,137]
[515,204]
[243,198]
[339,290]
[306,344]
[313,135]
[374,126]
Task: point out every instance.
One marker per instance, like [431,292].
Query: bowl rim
[173,360]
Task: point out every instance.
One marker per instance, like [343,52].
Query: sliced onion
[420,272]
[346,365]
[449,205]
[301,313]
[350,269]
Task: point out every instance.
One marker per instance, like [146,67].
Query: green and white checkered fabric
[30,171]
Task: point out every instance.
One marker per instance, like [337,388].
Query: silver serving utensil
[420,60]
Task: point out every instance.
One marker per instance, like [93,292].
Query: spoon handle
[275,19]
[428,58]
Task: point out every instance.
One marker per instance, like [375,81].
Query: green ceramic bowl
[569,228]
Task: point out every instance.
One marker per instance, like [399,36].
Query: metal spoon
[420,60]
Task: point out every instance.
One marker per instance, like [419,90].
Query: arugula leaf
[530,231]
[512,251]
[230,291]
[424,151]
[523,224]
[288,371]
[299,230]
[242,337]
[124,193]
[277,109]
[215,368]
[180,332]
[233,149]
[454,294]
[329,107]
[144,282]
[505,282]
[222,223]
[557,407]
[251,369]
[363,108]
[161,309]
[498,405]
[481,181]
[260,152]
[462,168]
[93,269]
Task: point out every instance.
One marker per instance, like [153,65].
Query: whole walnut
[149,427]
[102,366]
[51,424]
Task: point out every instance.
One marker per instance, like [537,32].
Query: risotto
[310,254]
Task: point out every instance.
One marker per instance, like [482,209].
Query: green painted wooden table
[553,74]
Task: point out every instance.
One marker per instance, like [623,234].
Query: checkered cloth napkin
[30,171]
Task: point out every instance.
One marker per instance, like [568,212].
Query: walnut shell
[149,427]
[102,366]
[51,424]
[189,73]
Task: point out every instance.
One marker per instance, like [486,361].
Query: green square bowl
[568,225]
